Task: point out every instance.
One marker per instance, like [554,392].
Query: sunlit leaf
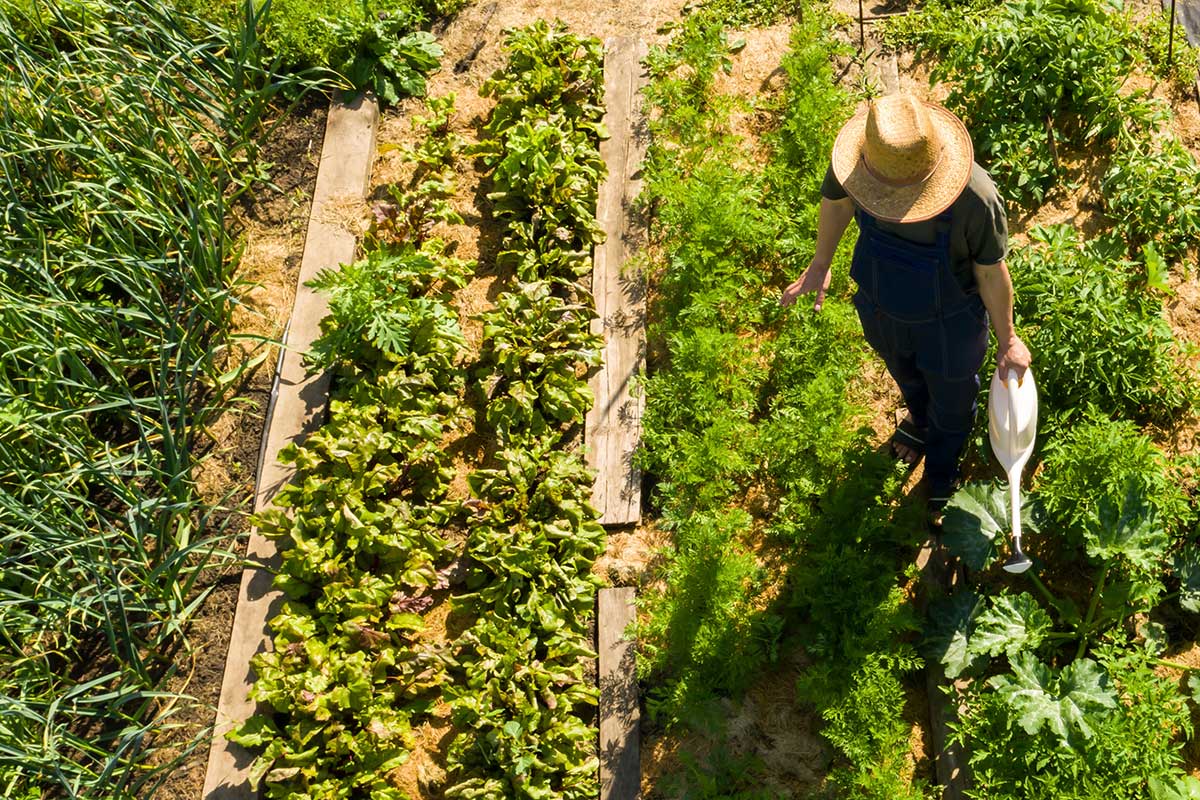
[1130,532]
[1064,702]
[1011,625]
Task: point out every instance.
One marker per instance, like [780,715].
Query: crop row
[117,293]
[524,695]
[1068,667]
[368,518]
[784,519]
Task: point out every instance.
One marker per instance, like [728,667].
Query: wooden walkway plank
[620,768]
[953,771]
[298,409]
[614,424]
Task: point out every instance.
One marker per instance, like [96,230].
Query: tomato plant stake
[1012,412]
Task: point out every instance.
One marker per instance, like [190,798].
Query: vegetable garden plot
[762,521]
[385,541]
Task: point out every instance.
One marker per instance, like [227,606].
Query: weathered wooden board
[298,408]
[952,772]
[614,424]
[620,770]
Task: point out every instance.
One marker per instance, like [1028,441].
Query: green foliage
[521,705]
[365,553]
[1152,191]
[697,424]
[377,45]
[549,69]
[704,632]
[531,540]
[1101,340]
[814,105]
[977,515]
[424,202]
[747,13]
[751,400]
[1097,458]
[1128,531]
[718,774]
[117,291]
[948,624]
[935,26]
[1150,39]
[364,526]
[520,696]
[391,305]
[381,57]
[1131,716]
[1039,699]
[535,344]
[1060,64]
[1009,626]
[1033,77]
[545,188]
[1123,540]
[863,724]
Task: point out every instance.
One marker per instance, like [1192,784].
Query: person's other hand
[1013,355]
[814,279]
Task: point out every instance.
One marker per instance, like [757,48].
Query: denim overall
[930,333]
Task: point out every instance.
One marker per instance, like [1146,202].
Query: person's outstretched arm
[996,291]
[832,220]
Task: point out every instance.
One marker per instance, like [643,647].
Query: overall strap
[943,221]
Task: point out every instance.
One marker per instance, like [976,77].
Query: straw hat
[903,160]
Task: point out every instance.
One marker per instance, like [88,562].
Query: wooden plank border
[297,409]
[614,423]
[620,765]
[953,772]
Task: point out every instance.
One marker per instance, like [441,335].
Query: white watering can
[1012,428]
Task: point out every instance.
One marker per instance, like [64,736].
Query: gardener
[929,265]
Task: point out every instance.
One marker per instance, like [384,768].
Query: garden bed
[788,556]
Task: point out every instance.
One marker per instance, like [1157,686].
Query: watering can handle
[1014,481]
[1011,384]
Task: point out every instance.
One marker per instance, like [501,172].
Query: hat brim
[914,202]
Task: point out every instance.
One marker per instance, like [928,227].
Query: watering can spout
[1012,429]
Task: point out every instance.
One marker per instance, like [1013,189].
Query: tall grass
[123,141]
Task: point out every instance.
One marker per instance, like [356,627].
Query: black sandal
[912,437]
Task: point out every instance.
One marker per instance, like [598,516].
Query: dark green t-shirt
[978,226]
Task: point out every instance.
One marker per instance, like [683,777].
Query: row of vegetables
[375,537]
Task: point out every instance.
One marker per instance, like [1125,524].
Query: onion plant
[126,131]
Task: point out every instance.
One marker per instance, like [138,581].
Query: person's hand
[814,279]
[1013,355]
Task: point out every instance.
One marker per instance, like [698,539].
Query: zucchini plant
[1056,678]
